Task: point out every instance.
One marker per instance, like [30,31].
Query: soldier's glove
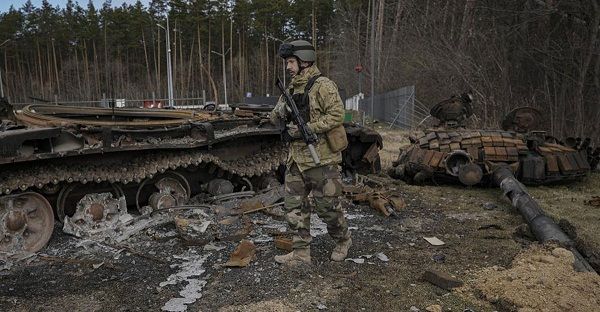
[293,132]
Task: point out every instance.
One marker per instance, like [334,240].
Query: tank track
[37,175]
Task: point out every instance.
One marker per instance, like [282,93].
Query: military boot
[340,251]
[296,257]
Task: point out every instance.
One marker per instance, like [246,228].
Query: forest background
[510,53]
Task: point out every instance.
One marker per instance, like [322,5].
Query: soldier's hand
[294,132]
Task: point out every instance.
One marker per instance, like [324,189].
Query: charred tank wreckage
[89,163]
[508,158]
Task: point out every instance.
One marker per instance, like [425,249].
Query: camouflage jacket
[326,113]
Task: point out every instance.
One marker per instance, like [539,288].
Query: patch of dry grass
[568,202]
[393,140]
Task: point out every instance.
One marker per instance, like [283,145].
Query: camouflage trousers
[325,183]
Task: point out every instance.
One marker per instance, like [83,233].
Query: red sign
[358,68]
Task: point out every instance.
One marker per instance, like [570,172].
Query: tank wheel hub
[26,222]
[96,213]
[99,207]
[162,200]
[15,220]
[96,210]
[174,189]
[167,190]
[72,198]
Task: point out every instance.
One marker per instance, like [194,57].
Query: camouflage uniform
[303,176]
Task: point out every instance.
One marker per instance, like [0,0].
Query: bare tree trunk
[367,30]
[240,65]
[6,70]
[267,81]
[208,54]
[86,64]
[358,37]
[174,58]
[262,69]
[379,36]
[453,19]
[158,61]
[200,59]
[213,85]
[147,61]
[445,16]
[314,26]
[231,56]
[223,59]
[585,66]
[274,50]
[181,65]
[597,73]
[49,78]
[106,64]
[466,29]
[77,70]
[96,71]
[190,62]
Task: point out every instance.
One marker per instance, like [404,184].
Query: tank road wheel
[70,196]
[164,191]
[26,222]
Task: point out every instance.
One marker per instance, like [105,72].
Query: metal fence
[399,108]
[188,103]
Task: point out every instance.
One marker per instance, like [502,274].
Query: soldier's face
[292,66]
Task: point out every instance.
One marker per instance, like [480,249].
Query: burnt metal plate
[522,119]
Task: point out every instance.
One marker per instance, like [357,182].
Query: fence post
[363,119]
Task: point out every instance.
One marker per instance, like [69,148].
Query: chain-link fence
[182,103]
[399,108]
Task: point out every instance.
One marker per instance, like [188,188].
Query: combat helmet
[301,49]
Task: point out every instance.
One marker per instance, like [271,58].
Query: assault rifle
[309,137]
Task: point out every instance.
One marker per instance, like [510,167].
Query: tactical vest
[302,100]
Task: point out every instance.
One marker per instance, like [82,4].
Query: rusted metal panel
[474,152]
[551,163]
[372,153]
[436,160]
[427,157]
[564,164]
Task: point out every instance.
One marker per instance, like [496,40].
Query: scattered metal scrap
[102,217]
[242,255]
[441,279]
[224,218]
[381,201]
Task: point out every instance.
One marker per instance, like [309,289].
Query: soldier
[320,105]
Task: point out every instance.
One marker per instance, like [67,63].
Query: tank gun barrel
[542,226]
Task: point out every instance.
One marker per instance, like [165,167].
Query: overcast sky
[5,4]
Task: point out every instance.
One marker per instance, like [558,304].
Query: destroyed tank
[507,158]
[451,152]
[58,161]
